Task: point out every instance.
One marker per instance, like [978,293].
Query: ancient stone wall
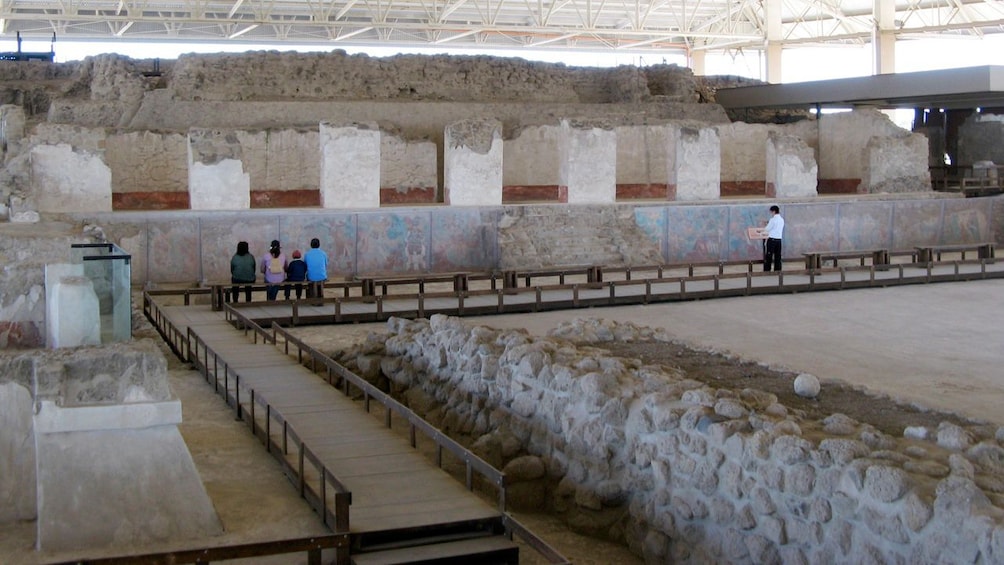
[274,102]
[896,164]
[22,288]
[842,138]
[149,170]
[337,76]
[704,474]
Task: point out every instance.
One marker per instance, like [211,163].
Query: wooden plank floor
[393,485]
[487,303]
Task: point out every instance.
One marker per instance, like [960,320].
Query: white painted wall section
[588,163]
[350,165]
[64,179]
[791,167]
[472,169]
[697,172]
[217,178]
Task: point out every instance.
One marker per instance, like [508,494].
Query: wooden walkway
[546,295]
[335,451]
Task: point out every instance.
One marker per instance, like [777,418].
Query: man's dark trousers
[772,254]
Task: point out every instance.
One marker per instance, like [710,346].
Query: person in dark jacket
[296,272]
[242,270]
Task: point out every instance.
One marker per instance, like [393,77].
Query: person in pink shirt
[273,265]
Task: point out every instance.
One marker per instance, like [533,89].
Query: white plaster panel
[588,163]
[791,167]
[531,157]
[641,154]
[74,314]
[53,273]
[406,163]
[17,454]
[350,165]
[698,155]
[472,169]
[221,186]
[63,179]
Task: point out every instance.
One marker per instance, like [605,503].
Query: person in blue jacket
[317,269]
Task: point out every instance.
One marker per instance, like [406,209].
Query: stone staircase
[547,236]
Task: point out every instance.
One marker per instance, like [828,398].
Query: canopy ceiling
[639,26]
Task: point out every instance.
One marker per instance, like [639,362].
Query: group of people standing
[309,269]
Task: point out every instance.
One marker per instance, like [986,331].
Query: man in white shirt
[772,246]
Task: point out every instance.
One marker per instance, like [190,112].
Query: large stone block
[112,470]
[72,310]
[896,164]
[472,170]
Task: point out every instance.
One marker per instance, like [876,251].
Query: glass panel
[108,268]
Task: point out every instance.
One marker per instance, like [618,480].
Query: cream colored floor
[939,345]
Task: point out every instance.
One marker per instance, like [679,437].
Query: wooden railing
[190,347]
[625,291]
[210,365]
[312,546]
[336,374]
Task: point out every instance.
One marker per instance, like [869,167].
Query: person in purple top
[273,265]
[317,269]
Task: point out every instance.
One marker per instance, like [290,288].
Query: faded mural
[181,246]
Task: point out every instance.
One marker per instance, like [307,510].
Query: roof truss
[641,26]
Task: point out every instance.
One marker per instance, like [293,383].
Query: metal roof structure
[972,87]
[631,26]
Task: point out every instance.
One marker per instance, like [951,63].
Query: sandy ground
[940,345]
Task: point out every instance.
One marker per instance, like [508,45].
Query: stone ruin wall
[104,417]
[22,282]
[685,473]
[286,160]
[288,94]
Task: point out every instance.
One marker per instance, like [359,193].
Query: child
[296,272]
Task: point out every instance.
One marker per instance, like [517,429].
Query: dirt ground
[720,371]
